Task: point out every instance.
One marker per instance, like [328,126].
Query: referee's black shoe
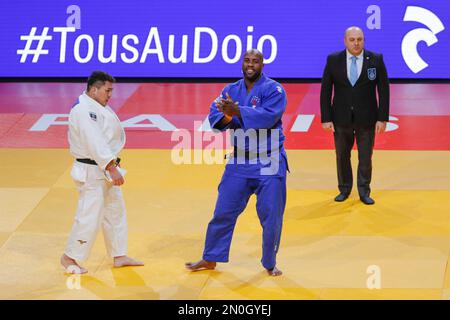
[341,197]
[367,200]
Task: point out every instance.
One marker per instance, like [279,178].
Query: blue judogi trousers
[234,193]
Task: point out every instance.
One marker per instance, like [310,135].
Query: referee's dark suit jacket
[354,105]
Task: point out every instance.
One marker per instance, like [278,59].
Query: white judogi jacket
[95,132]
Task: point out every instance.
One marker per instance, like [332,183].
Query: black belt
[92,162]
[88,161]
[250,155]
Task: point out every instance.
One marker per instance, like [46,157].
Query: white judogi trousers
[100,204]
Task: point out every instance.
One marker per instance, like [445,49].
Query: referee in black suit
[350,108]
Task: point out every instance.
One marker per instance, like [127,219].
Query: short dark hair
[98,78]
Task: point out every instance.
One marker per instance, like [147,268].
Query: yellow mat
[396,249]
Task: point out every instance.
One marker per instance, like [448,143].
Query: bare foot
[71,266]
[200,265]
[274,272]
[124,261]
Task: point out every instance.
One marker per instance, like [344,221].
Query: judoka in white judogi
[96,137]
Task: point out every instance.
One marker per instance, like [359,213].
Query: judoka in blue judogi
[252,109]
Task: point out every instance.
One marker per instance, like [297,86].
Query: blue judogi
[258,166]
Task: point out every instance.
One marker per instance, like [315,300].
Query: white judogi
[95,132]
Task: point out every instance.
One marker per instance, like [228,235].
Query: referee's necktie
[353,71]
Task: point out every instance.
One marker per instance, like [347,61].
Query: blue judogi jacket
[258,133]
